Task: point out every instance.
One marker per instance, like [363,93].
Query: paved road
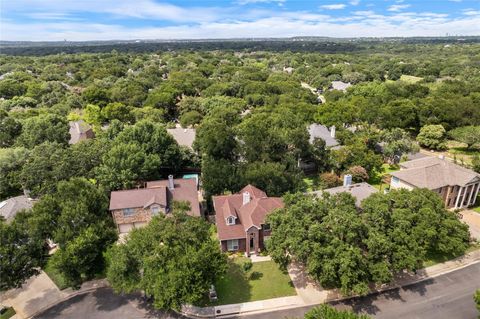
[448,296]
[104,304]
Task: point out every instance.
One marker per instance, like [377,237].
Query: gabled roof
[359,190]
[341,86]
[157,192]
[433,172]
[248,215]
[79,131]
[11,206]
[321,131]
[183,136]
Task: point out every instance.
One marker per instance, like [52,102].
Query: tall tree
[44,128]
[172,259]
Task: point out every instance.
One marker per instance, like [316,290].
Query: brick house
[134,208]
[240,219]
[457,186]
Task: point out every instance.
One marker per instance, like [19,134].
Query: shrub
[247,265]
[359,174]
[329,180]
[432,137]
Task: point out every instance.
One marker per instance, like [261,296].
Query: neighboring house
[134,208]
[325,133]
[458,186]
[79,131]
[240,219]
[183,136]
[11,206]
[359,191]
[340,86]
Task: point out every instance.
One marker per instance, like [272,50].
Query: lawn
[434,259]
[410,78]
[7,314]
[56,277]
[312,183]
[376,179]
[264,281]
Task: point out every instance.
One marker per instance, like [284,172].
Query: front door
[252,244]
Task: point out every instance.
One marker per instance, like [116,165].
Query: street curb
[378,291]
[70,296]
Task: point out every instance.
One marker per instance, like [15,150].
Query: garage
[125,228]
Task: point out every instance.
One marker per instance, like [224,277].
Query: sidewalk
[39,293]
[309,293]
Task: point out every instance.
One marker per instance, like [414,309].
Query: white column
[471,194]
[458,196]
[476,194]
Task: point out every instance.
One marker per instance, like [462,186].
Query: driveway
[472,219]
[103,303]
[448,296]
[36,293]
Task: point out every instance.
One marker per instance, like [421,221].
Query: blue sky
[53,20]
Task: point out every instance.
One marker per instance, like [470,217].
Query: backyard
[377,178]
[263,281]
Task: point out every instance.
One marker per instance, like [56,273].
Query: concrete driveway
[36,293]
[472,219]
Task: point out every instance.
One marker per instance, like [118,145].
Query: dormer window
[230,220]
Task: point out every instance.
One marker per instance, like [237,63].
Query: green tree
[328,312]
[20,254]
[397,142]
[476,298]
[117,111]
[9,129]
[432,137]
[172,259]
[469,135]
[10,88]
[11,163]
[82,257]
[44,128]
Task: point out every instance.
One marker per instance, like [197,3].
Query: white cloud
[455,0]
[355,2]
[398,7]
[337,6]
[284,25]
[471,12]
[244,2]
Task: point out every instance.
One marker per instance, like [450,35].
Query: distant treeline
[298,44]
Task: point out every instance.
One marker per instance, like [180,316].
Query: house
[240,219]
[11,206]
[327,134]
[134,208]
[458,186]
[183,136]
[359,191]
[79,131]
[340,86]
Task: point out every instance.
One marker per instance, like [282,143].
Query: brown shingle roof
[359,190]
[433,173]
[79,131]
[183,136]
[158,192]
[252,214]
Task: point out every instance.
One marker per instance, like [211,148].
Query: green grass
[410,78]
[312,183]
[264,281]
[433,259]
[56,277]
[376,179]
[7,314]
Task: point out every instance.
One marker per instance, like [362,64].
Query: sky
[83,20]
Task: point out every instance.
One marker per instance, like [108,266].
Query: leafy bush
[247,265]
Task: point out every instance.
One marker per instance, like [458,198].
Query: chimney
[171,185]
[246,198]
[347,180]
[332,131]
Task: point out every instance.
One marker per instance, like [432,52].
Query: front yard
[263,281]
[377,178]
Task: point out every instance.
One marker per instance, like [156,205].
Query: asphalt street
[448,296]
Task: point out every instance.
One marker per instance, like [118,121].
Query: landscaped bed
[8,313]
[263,281]
[376,180]
[56,277]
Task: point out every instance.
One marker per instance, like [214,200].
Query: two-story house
[457,186]
[240,219]
[134,208]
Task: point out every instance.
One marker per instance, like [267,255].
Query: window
[128,212]
[395,180]
[230,220]
[155,210]
[232,244]
[266,226]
